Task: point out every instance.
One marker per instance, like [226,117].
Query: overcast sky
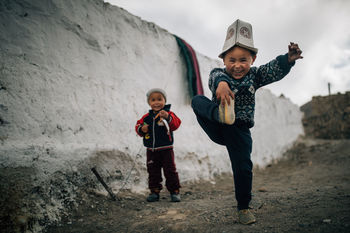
[320,27]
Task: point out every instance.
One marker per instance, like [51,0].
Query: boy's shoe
[175,197]
[153,197]
[227,112]
[246,217]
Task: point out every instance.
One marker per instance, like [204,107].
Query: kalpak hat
[239,33]
[153,90]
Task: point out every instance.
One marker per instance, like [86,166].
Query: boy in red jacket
[156,127]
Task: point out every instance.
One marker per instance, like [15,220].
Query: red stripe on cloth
[199,85]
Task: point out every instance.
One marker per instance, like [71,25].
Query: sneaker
[227,112]
[246,217]
[153,197]
[175,197]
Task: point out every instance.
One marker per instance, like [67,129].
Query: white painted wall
[73,80]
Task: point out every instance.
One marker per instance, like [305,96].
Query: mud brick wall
[327,117]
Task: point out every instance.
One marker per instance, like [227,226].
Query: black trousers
[238,141]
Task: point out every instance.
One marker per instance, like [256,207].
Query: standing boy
[228,117]
[156,127]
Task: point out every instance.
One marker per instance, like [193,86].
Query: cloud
[319,26]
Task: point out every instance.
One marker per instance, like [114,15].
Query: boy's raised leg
[207,116]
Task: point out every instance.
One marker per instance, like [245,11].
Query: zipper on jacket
[154,135]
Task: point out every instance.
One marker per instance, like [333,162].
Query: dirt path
[307,191]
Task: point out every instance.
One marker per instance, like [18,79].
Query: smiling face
[238,61]
[157,101]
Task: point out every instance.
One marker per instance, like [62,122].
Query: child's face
[238,61]
[156,101]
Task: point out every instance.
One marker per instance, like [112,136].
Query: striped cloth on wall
[193,73]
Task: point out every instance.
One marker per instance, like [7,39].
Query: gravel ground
[308,190]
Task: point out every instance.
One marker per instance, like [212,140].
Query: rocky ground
[306,191]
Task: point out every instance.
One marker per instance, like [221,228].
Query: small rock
[327,220]
[22,220]
[75,169]
[262,189]
[261,205]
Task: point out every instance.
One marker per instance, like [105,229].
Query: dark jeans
[156,160]
[238,141]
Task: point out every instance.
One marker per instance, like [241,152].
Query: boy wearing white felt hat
[229,115]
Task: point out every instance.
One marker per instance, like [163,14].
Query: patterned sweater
[246,87]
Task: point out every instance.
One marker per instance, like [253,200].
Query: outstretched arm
[294,52]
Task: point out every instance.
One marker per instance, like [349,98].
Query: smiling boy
[156,127]
[228,117]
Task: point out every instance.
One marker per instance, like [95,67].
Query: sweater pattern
[245,88]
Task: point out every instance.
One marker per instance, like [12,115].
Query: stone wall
[327,117]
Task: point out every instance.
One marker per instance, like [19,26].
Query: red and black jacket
[159,136]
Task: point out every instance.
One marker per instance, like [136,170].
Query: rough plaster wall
[73,78]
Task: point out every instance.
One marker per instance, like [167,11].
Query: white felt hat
[239,33]
[159,90]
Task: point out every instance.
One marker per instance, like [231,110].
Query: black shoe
[153,197]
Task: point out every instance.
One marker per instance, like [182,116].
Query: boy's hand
[162,114]
[223,92]
[294,52]
[144,128]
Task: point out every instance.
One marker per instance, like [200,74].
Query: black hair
[252,53]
